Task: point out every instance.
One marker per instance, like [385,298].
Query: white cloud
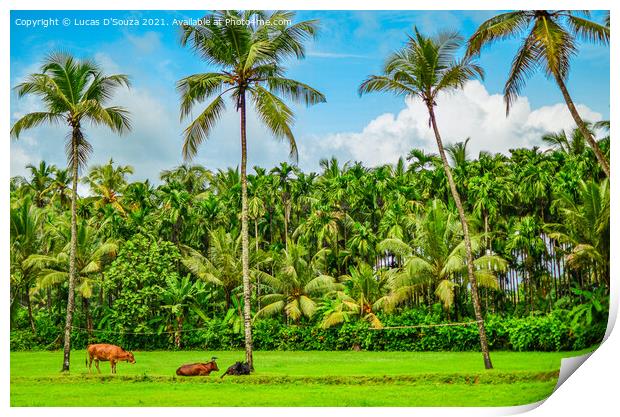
[472,112]
[147,43]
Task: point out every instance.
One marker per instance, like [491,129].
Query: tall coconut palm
[423,69]
[249,62]
[73,91]
[550,41]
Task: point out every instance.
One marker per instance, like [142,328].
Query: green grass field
[291,379]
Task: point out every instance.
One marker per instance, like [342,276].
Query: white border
[591,391]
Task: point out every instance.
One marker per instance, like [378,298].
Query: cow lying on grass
[198,369]
[237,369]
[105,352]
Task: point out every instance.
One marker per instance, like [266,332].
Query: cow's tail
[224,374]
[86,359]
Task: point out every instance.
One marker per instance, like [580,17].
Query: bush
[539,333]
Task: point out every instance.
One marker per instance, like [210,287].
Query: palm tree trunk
[76,135]
[247,319]
[30,318]
[89,319]
[486,232]
[286,214]
[177,335]
[256,233]
[582,126]
[470,261]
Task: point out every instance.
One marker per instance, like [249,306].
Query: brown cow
[198,369]
[105,352]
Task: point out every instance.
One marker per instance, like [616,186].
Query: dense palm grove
[349,244]
[401,257]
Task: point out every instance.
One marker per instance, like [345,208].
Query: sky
[374,129]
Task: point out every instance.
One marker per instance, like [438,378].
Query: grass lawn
[291,379]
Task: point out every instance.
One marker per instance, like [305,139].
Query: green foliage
[143,265]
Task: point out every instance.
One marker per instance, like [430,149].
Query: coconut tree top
[248,58]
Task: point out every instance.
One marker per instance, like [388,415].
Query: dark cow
[105,352]
[198,369]
[237,369]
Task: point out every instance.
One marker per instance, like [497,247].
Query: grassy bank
[291,379]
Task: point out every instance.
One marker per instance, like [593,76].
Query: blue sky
[351,45]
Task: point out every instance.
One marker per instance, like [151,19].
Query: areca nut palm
[549,42]
[423,69]
[73,91]
[249,59]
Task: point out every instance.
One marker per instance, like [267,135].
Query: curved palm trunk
[247,319]
[470,261]
[71,297]
[582,126]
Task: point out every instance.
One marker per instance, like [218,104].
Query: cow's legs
[90,364]
[97,365]
[113,365]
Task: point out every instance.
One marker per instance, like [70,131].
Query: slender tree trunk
[177,335]
[76,136]
[245,261]
[287,211]
[582,126]
[30,318]
[256,233]
[257,279]
[470,262]
[486,233]
[89,319]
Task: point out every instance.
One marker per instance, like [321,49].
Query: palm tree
[40,180]
[59,188]
[92,255]
[436,257]
[586,228]
[283,173]
[73,91]
[549,45]
[181,296]
[426,67]
[194,178]
[525,237]
[295,285]
[249,59]
[458,153]
[365,293]
[572,143]
[26,220]
[107,184]
[221,266]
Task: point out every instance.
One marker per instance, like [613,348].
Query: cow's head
[130,358]
[213,365]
